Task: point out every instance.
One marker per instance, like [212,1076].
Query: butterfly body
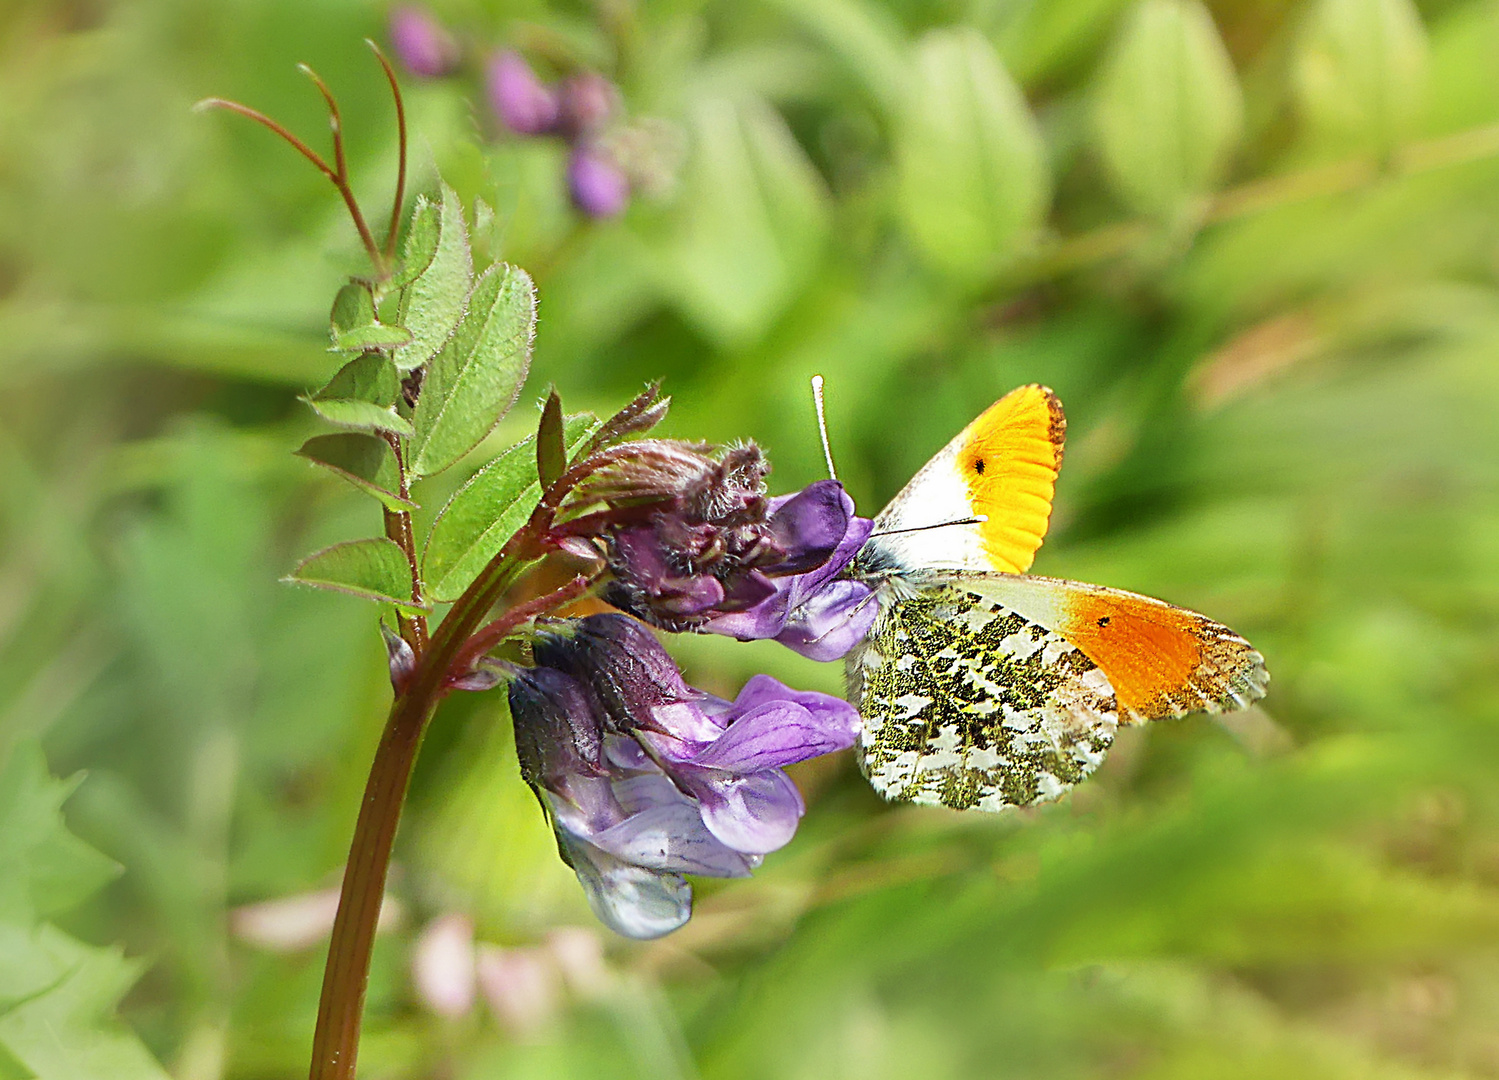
[984,687]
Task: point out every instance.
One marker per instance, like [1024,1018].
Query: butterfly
[984,687]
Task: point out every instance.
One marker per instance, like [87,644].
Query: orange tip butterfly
[984,687]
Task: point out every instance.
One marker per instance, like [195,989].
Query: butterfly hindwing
[985,690]
[1162,660]
[968,704]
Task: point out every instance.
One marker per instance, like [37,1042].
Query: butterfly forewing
[968,704]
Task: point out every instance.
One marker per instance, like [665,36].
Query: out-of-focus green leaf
[375,569]
[551,448]
[361,395]
[1045,38]
[478,375]
[420,246]
[44,869]
[486,511]
[866,37]
[363,460]
[57,995]
[1168,109]
[432,304]
[749,190]
[1360,73]
[973,176]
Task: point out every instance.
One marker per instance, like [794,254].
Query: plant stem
[494,633]
[400,196]
[335,1045]
[398,529]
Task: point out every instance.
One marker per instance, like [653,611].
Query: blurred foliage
[1253,246]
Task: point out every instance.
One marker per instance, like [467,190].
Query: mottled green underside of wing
[967,704]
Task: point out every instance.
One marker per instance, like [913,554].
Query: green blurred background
[1257,256]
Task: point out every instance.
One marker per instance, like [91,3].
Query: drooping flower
[421,43]
[647,778]
[525,104]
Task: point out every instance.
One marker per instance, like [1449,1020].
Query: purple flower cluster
[700,546]
[603,166]
[647,778]
[578,109]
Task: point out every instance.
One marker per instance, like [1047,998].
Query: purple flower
[598,186]
[421,43]
[525,104]
[812,611]
[588,101]
[647,778]
[691,537]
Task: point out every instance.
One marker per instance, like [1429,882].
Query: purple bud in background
[525,104]
[598,186]
[421,43]
[588,102]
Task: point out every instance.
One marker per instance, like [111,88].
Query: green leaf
[353,306]
[1360,73]
[375,569]
[372,336]
[369,378]
[361,394]
[476,378]
[432,304]
[361,416]
[57,995]
[363,460]
[973,183]
[551,450]
[750,190]
[67,1030]
[486,512]
[1168,112]
[420,246]
[44,869]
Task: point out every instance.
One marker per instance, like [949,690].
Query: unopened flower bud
[525,104]
[421,43]
[588,102]
[598,186]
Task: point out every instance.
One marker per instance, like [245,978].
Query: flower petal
[671,837]
[810,525]
[631,900]
[830,622]
[776,733]
[753,814]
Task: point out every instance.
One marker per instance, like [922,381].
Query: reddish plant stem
[398,528]
[341,177]
[491,635]
[335,1044]
[400,197]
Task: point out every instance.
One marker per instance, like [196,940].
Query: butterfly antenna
[822,425]
[979,520]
